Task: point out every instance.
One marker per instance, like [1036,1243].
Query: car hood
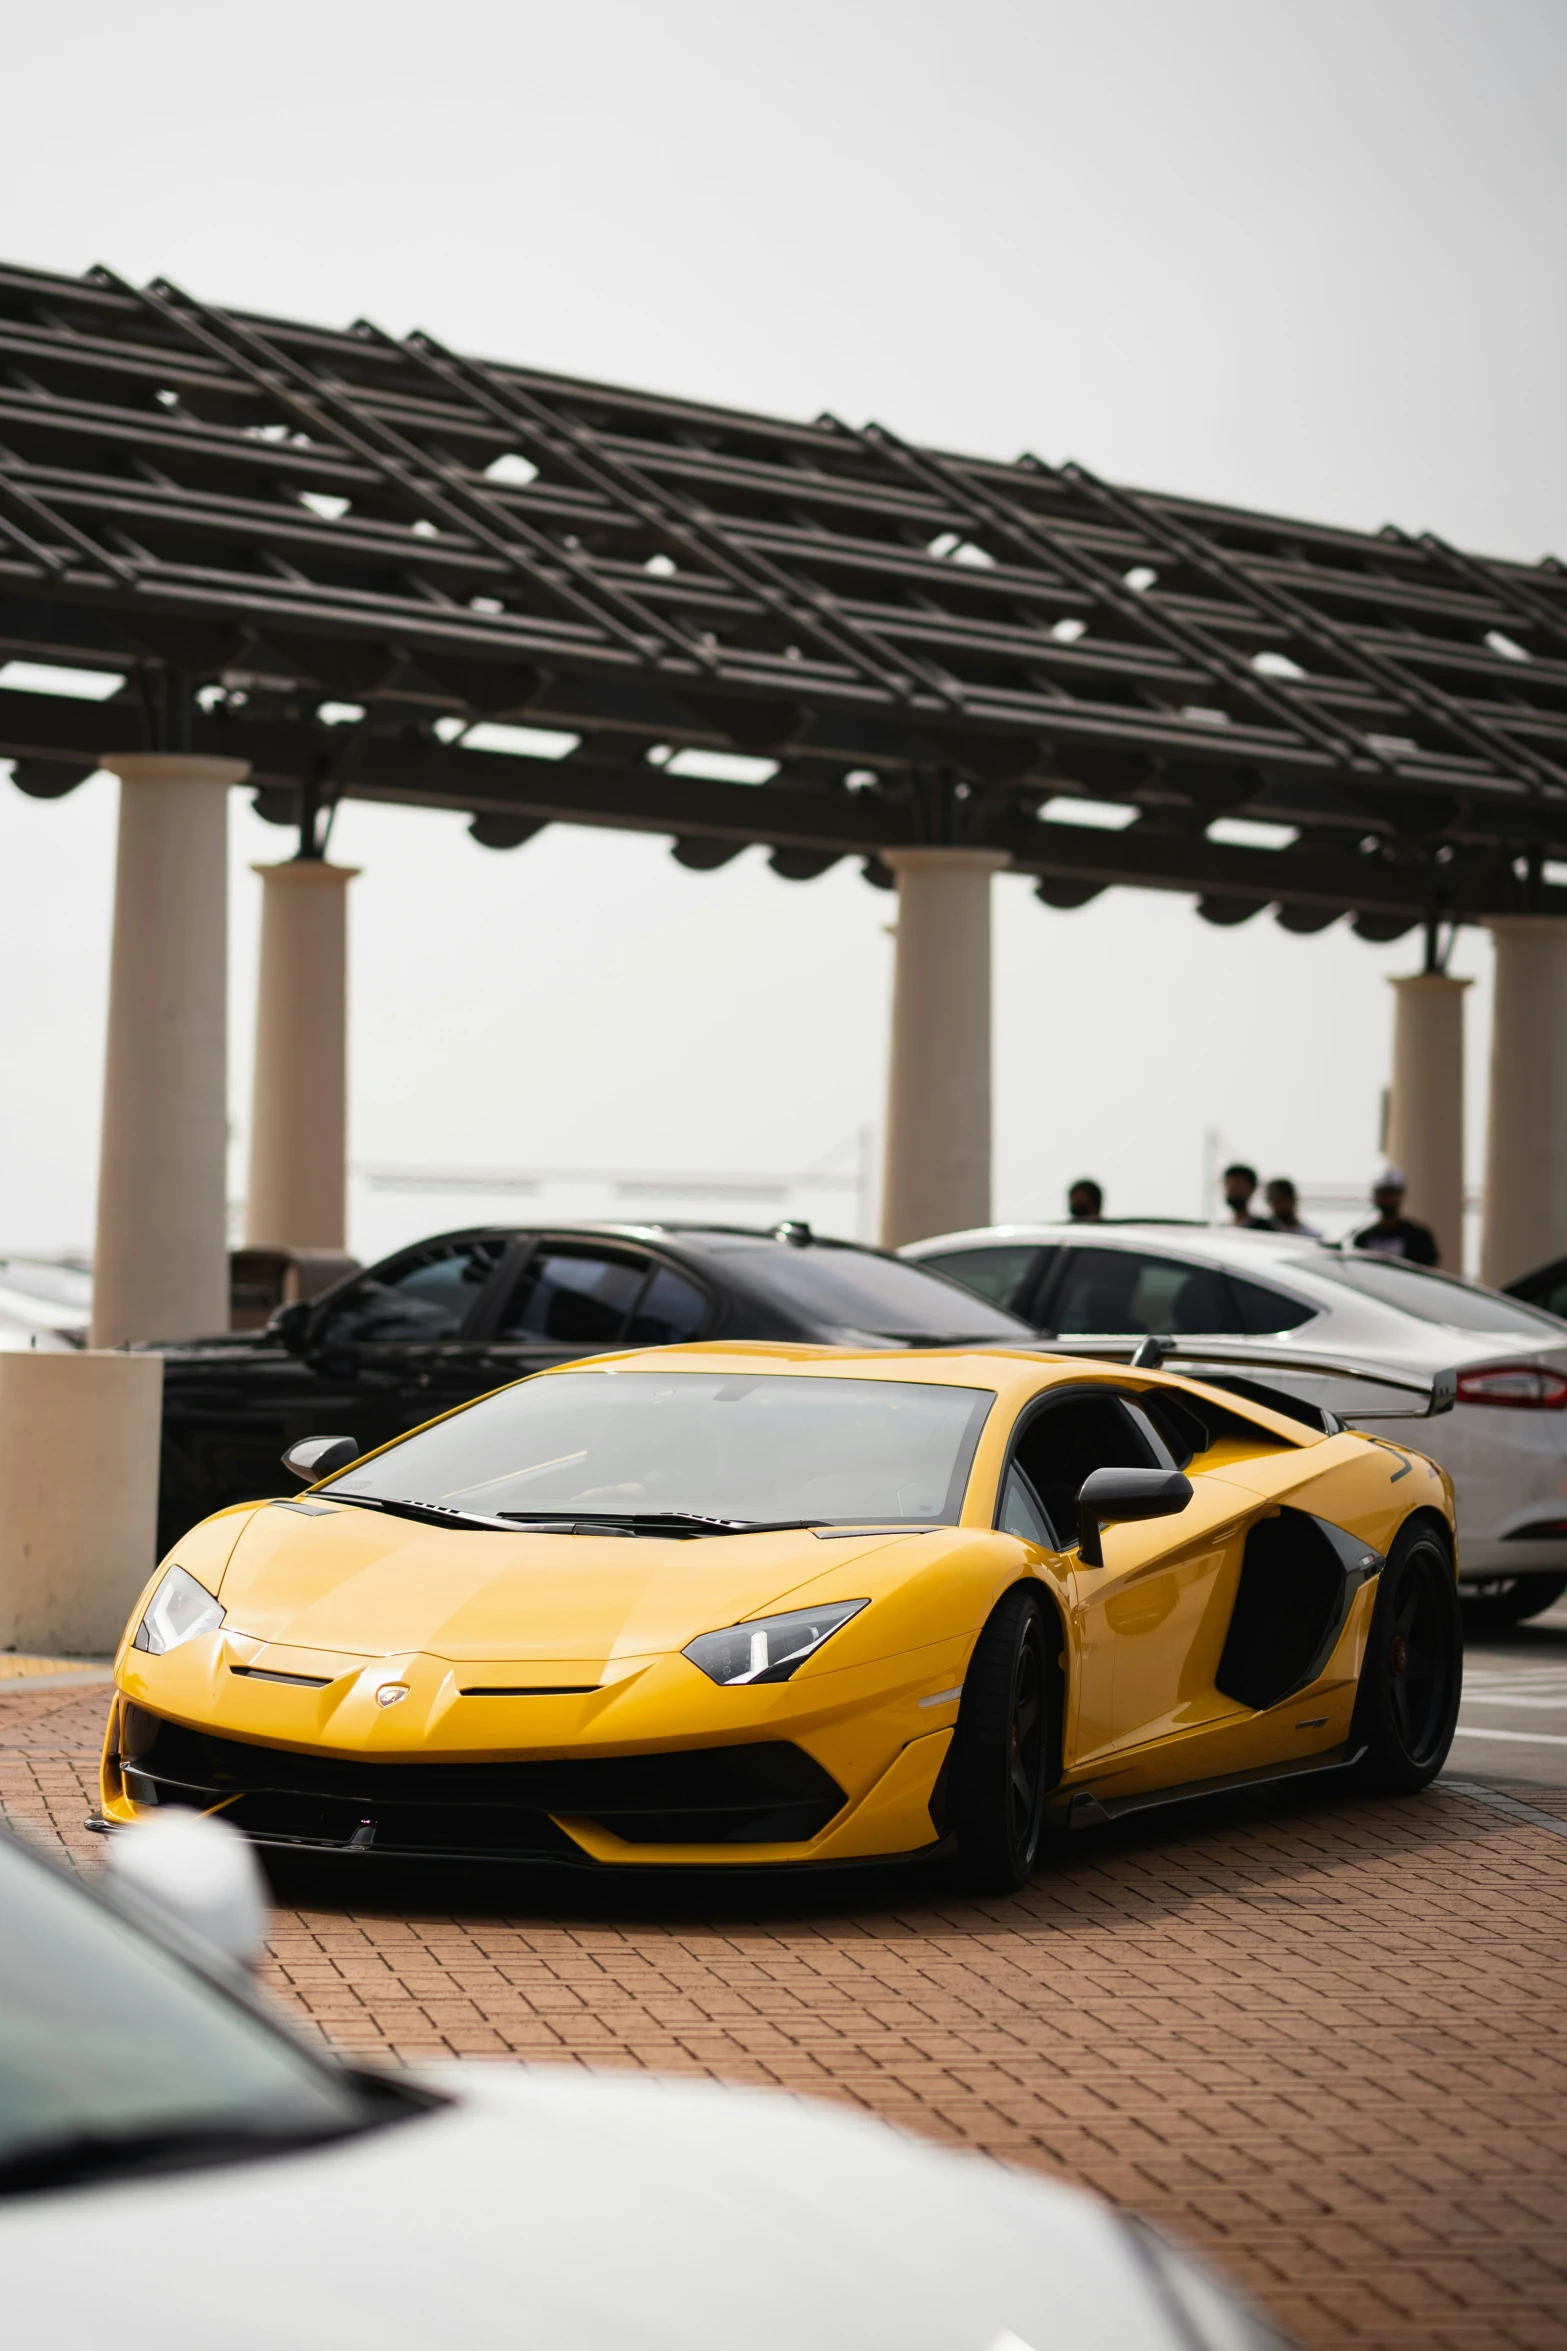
[354,1581]
[590,2215]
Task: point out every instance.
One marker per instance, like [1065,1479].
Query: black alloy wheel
[1494,1602]
[1412,1677]
[1001,1750]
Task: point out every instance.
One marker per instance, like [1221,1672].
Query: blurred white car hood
[589,2213]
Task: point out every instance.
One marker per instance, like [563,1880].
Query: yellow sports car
[764,1605]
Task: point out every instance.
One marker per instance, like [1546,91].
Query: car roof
[712,1237]
[1232,1244]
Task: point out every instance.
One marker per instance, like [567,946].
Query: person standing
[1394,1234]
[1284,1210]
[1240,1185]
[1085,1202]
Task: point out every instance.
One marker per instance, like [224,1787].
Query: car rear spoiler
[1234,1367]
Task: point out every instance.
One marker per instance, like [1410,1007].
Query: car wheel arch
[1058,1659]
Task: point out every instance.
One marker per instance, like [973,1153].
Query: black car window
[576,1296]
[1261,1311]
[1124,1293]
[670,1310]
[1006,1276]
[429,1296]
[1064,1442]
[852,1294]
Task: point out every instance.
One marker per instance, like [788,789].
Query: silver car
[1381,1344]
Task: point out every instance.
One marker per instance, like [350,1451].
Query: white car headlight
[769,1648]
[179,1610]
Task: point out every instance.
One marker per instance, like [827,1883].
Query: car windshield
[854,1294]
[112,2051]
[1435,1297]
[739,1445]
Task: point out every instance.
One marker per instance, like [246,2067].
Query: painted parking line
[1468,1730]
[1495,1698]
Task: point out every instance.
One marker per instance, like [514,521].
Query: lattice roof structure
[380,569]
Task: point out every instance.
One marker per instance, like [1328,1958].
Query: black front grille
[771,1793]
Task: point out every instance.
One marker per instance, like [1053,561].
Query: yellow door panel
[1151,1622]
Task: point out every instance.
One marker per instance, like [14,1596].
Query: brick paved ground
[1325,2043]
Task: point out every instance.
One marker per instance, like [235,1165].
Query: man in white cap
[1394,1234]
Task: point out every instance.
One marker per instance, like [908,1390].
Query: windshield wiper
[435,1514]
[653,1522]
[87,2155]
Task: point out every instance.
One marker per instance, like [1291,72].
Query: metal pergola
[380,569]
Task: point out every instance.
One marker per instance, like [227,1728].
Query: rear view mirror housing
[189,1874]
[290,1326]
[317,1457]
[1126,1493]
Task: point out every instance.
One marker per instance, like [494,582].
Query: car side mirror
[318,1457]
[1126,1493]
[290,1326]
[193,1874]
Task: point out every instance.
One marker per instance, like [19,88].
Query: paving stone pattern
[1323,2043]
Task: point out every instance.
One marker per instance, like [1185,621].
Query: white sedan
[179,2173]
[1365,1337]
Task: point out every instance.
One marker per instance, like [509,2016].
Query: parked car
[1336,1327]
[450,1317]
[180,2172]
[45,1303]
[769,1607]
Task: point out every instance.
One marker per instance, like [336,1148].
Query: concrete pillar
[299,1104]
[160,1267]
[78,1496]
[1425,1130]
[936,1164]
[1525,1210]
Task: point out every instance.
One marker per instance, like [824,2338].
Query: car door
[565,1296]
[1146,1620]
[390,1350]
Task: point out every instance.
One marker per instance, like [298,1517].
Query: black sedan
[454,1316]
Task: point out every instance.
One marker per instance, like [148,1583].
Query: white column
[299,1104]
[1525,1218]
[936,1165]
[1425,1134]
[160,1267]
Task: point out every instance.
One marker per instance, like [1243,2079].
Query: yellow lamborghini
[758,1605]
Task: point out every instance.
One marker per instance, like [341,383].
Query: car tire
[1412,1677]
[1494,1602]
[1000,1756]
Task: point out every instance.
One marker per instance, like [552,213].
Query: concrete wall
[78,1496]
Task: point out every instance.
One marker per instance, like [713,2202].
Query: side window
[425,1297]
[578,1297]
[1065,1442]
[671,1310]
[1260,1312]
[1003,1275]
[1021,1514]
[1122,1293]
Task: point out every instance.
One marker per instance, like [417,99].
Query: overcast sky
[1301,256]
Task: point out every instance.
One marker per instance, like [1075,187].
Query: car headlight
[769,1648]
[179,1610]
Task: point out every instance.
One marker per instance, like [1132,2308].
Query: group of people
[1392,1234]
